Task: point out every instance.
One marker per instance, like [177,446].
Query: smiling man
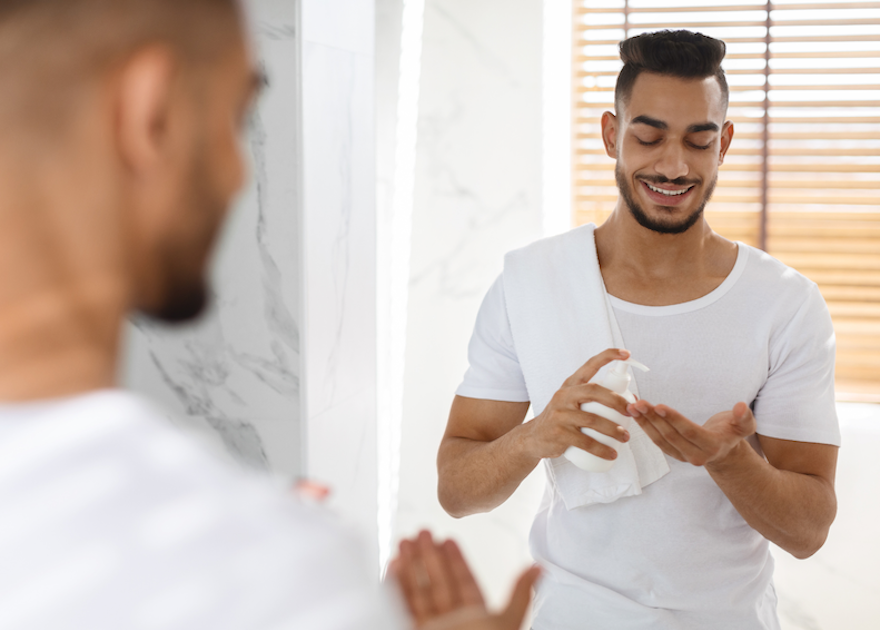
[735,440]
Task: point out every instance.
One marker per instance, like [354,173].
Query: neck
[58,340]
[62,292]
[645,267]
[622,242]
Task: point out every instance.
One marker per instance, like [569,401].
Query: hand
[559,425]
[442,594]
[311,491]
[689,442]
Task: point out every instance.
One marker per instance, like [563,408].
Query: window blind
[802,178]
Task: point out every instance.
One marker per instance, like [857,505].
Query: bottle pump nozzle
[618,378]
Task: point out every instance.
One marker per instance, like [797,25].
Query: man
[741,351]
[121,122]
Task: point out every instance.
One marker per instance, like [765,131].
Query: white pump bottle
[617,380]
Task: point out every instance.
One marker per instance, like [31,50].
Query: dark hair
[683,54]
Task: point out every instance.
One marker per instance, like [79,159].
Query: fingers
[311,490]
[588,444]
[413,581]
[685,435]
[559,428]
[658,439]
[468,590]
[592,392]
[588,370]
[558,425]
[512,616]
[571,399]
[689,442]
[565,431]
[434,579]
[442,592]
[653,421]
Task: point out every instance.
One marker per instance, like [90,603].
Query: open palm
[688,441]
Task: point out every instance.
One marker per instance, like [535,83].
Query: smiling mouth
[668,193]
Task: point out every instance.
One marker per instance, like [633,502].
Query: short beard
[184,302]
[186,288]
[661,227]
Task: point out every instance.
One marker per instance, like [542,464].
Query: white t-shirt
[680,556]
[113,520]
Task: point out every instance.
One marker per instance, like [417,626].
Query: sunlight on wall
[392,333]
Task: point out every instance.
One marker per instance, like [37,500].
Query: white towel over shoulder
[560,316]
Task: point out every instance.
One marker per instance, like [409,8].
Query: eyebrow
[659,124]
[651,122]
[708,126]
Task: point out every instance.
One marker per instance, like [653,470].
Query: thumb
[512,616]
[742,416]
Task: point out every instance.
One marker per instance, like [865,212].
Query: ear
[726,137]
[144,106]
[609,134]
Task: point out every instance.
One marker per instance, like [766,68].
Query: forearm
[476,476]
[792,510]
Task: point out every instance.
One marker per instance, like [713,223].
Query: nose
[672,162]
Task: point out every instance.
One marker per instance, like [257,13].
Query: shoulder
[170,514]
[765,269]
[784,298]
[772,281]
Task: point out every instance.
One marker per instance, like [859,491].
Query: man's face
[213,171]
[669,140]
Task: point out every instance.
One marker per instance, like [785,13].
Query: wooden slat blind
[802,178]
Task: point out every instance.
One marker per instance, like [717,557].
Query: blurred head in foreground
[121,124]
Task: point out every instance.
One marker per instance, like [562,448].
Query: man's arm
[789,497]
[487,451]
[483,456]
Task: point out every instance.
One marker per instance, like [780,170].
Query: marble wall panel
[234,376]
[339,240]
[477,195]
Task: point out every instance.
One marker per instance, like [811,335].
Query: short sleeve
[797,400]
[494,372]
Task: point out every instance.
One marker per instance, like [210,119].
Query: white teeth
[668,193]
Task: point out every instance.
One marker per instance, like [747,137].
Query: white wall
[477,195]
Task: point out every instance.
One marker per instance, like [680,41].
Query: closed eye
[646,144]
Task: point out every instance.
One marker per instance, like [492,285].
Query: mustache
[678,181]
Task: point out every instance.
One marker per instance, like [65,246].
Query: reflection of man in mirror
[120,123]
[734,443]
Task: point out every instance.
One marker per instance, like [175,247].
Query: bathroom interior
[401,147]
